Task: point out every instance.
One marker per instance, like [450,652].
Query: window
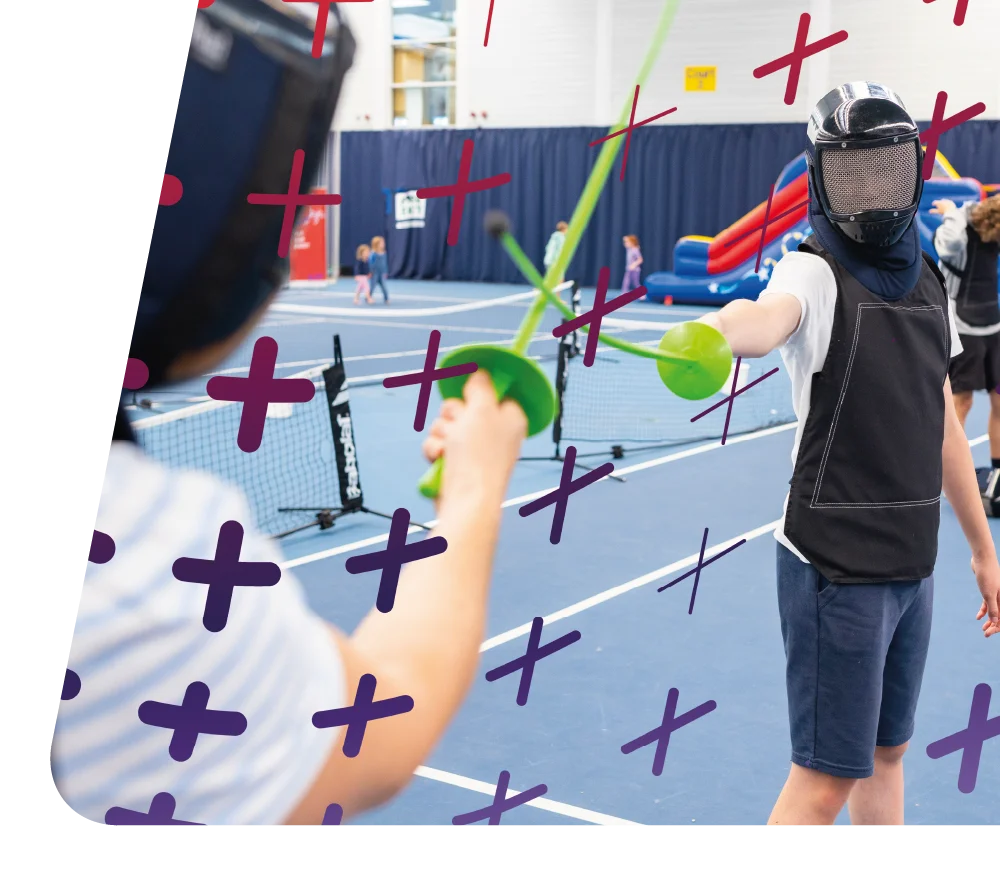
[423,60]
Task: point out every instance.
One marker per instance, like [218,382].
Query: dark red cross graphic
[939,125]
[597,314]
[768,220]
[702,563]
[661,735]
[292,200]
[501,803]
[560,496]
[322,16]
[489,23]
[534,653]
[191,719]
[257,390]
[730,398]
[161,808]
[357,716]
[462,188]
[427,377]
[961,8]
[627,131]
[793,60]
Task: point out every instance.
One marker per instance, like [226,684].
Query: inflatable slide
[714,271]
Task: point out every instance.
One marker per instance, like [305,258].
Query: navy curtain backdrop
[681,180]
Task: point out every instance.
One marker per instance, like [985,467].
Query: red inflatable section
[728,249]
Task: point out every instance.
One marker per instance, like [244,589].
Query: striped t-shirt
[140,638]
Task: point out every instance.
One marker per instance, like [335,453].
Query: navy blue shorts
[855,660]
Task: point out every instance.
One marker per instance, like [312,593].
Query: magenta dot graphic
[161,812]
[136,374]
[171,190]
[191,719]
[71,685]
[102,548]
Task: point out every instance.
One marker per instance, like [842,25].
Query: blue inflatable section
[690,282]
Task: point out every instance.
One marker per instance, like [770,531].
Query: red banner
[308,254]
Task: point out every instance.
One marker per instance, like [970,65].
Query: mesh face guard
[870,179]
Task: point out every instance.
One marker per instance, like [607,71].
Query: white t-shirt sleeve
[810,280]
[140,637]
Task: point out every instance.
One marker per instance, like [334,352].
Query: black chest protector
[864,503]
[976,302]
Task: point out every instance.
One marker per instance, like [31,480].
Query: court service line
[541,803]
[523,499]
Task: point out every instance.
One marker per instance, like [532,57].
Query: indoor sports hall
[637,536]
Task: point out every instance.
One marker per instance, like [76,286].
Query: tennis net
[622,400]
[305,471]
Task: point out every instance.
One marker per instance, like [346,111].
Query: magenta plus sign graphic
[462,188]
[531,656]
[357,716]
[224,573]
[793,60]
[961,8]
[161,812]
[292,200]
[939,125]
[627,131]
[730,398]
[501,803]
[391,560]
[191,719]
[702,563]
[560,496]
[257,390]
[427,377]
[661,735]
[970,741]
[597,314]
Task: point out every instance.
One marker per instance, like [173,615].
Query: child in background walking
[362,274]
[555,246]
[379,265]
[633,260]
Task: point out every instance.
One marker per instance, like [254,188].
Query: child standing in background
[379,265]
[555,246]
[362,274]
[633,260]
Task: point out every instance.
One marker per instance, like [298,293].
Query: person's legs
[878,800]
[810,797]
[967,372]
[379,281]
[994,424]
[963,403]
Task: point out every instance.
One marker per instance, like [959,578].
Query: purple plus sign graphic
[427,377]
[71,685]
[292,200]
[970,741]
[532,655]
[224,573]
[702,563]
[730,398]
[334,814]
[461,189]
[801,51]
[391,560]
[961,8]
[501,803]
[661,735]
[560,496]
[102,548]
[258,390]
[191,719]
[357,716]
[597,313]
[161,812]
[632,126]
[939,125]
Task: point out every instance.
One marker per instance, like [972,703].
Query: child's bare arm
[753,329]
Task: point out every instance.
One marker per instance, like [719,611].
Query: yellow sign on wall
[699,79]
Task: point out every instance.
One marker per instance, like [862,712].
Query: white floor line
[524,499]
[540,803]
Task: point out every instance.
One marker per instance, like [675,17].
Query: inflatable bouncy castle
[714,271]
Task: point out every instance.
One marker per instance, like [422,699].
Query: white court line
[394,325]
[523,499]
[540,803]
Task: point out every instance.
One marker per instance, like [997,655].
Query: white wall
[574,62]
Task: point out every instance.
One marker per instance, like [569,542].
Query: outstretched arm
[753,329]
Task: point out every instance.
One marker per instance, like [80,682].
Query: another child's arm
[962,491]
[950,237]
[753,329]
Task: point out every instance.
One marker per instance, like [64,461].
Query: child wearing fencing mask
[861,318]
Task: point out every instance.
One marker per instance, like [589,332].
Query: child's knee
[890,755]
